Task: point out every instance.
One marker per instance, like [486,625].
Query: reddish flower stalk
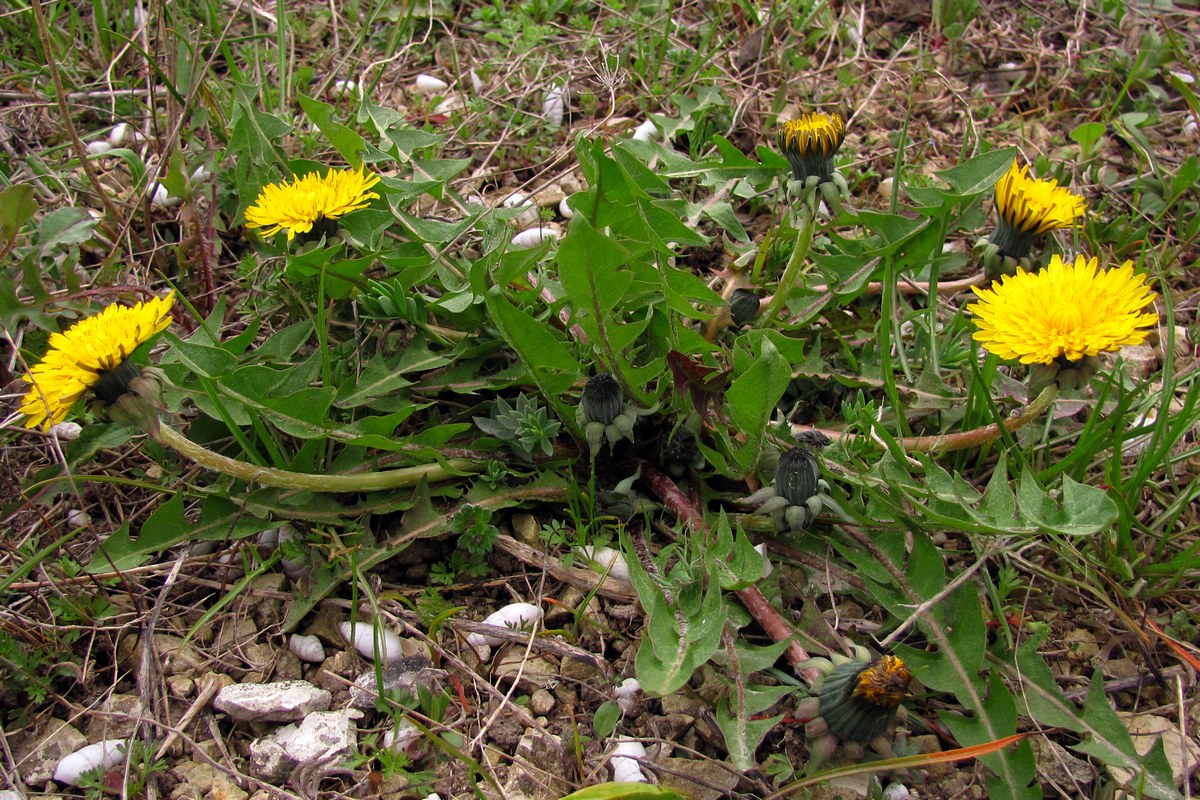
[756,603]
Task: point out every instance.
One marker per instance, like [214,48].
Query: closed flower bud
[602,399]
[743,306]
[798,473]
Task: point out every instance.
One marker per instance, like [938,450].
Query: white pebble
[885,188]
[160,197]
[605,560]
[294,568]
[429,85]
[626,694]
[341,88]
[98,147]
[364,637]
[400,737]
[533,237]
[624,763]
[554,106]
[122,133]
[646,132]
[1010,71]
[78,519]
[101,755]
[307,648]
[517,200]
[67,431]
[515,616]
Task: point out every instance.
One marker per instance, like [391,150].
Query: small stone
[1145,730]
[119,717]
[334,672]
[1058,767]
[701,779]
[541,702]
[408,675]
[287,666]
[323,736]
[271,702]
[532,673]
[525,529]
[538,758]
[37,757]
[578,670]
[1140,360]
[260,662]
[180,686]
[680,704]
[671,727]
[176,657]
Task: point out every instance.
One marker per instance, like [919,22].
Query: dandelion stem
[804,236]
[283,479]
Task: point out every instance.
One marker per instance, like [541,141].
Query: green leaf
[1110,742]
[1105,735]
[752,395]
[17,207]
[679,636]
[167,527]
[349,144]
[254,133]
[605,720]
[589,266]
[999,505]
[894,229]
[64,227]
[1087,134]
[743,734]
[204,361]
[1084,510]
[979,174]
[553,368]
[733,556]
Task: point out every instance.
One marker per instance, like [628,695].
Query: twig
[948,442]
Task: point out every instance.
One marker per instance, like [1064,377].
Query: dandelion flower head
[1065,311]
[1029,207]
[296,205]
[79,357]
[809,142]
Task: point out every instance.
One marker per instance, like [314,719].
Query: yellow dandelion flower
[297,205]
[1067,311]
[1029,207]
[809,144]
[81,357]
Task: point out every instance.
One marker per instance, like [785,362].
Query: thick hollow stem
[804,237]
[282,479]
